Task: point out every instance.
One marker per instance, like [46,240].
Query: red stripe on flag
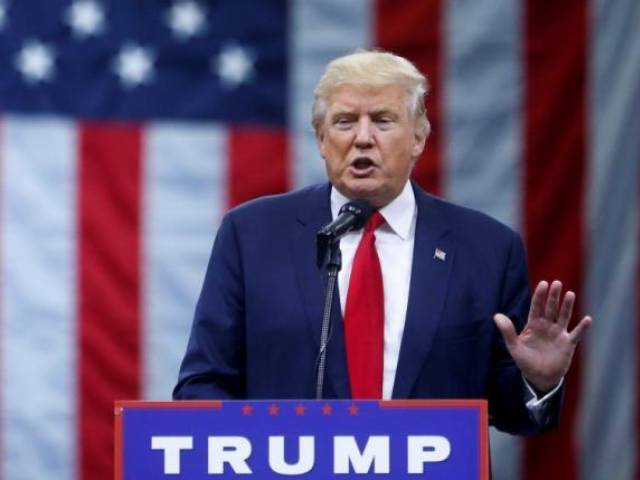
[109,303]
[414,31]
[258,163]
[555,145]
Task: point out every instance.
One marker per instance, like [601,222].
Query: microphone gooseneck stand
[352,216]
[333,266]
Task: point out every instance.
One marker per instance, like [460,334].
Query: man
[421,291]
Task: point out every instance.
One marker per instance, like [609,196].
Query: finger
[566,310]
[508,331]
[553,301]
[537,301]
[577,333]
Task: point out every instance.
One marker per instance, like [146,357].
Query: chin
[373,195]
[362,189]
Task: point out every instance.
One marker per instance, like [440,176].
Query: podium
[204,440]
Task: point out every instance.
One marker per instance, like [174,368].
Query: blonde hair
[372,68]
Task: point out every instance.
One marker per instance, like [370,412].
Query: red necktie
[364,316]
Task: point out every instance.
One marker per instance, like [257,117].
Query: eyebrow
[345,114]
[376,112]
[384,111]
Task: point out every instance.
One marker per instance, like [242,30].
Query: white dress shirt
[394,243]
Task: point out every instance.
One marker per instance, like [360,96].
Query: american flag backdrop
[127,128]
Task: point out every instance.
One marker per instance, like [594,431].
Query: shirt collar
[398,214]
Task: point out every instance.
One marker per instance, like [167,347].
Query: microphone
[352,216]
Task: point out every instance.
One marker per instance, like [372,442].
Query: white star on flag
[134,65]
[186,18]
[35,61]
[234,65]
[85,17]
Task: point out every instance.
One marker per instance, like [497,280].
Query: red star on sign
[247,410]
[300,409]
[274,410]
[327,409]
[353,409]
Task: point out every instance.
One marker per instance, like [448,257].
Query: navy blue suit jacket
[257,323]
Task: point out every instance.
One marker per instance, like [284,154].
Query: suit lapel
[312,282]
[433,256]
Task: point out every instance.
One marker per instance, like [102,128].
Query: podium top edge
[120,405]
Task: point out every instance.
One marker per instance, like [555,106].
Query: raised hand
[544,349]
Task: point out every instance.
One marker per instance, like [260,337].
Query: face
[369,141]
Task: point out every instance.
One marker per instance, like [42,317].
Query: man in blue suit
[444,289]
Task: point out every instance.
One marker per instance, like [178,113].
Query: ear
[320,142]
[420,140]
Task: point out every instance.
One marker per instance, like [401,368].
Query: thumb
[505,325]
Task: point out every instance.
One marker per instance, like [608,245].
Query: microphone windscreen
[360,208]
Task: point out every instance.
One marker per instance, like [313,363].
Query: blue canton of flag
[145,59]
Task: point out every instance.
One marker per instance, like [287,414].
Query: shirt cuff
[537,405]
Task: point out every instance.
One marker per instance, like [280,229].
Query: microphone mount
[352,216]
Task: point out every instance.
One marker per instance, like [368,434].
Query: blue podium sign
[302,439]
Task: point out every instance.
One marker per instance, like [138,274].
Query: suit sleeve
[214,364]
[508,392]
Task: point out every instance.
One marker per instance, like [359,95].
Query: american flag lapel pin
[440,255]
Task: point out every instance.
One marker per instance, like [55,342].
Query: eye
[343,122]
[385,121]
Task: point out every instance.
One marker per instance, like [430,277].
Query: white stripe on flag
[321,30]
[483,106]
[185,197]
[482,124]
[608,436]
[38,277]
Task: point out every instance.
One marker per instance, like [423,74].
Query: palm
[544,349]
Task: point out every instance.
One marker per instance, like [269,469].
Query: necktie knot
[375,220]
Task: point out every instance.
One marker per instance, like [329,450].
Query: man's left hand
[544,349]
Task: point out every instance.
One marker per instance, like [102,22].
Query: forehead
[367,97]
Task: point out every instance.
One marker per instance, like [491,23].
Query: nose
[364,134]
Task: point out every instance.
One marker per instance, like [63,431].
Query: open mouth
[362,164]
